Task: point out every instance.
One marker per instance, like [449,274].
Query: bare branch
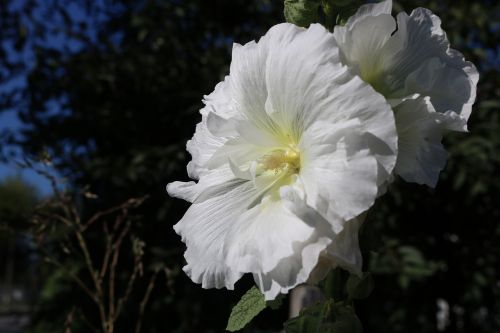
[137,271]
[69,321]
[52,260]
[145,301]
[61,211]
[112,273]
[130,203]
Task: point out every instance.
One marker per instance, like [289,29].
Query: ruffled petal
[263,235]
[311,259]
[214,182]
[431,67]
[238,150]
[310,55]
[414,58]
[300,256]
[204,143]
[363,45]
[420,128]
[371,9]
[183,190]
[344,251]
[249,90]
[204,228]
[292,270]
[346,158]
[354,99]
[340,177]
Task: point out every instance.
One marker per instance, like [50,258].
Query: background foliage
[111,90]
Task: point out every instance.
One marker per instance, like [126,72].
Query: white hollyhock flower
[290,147]
[410,59]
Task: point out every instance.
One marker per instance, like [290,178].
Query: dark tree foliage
[111,90]
[17,202]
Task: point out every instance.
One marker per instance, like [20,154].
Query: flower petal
[226,225]
[301,256]
[363,43]
[204,227]
[293,270]
[344,251]
[309,54]
[339,175]
[345,160]
[314,257]
[431,67]
[415,58]
[354,99]
[262,236]
[421,154]
[372,9]
[204,143]
[249,91]
[211,184]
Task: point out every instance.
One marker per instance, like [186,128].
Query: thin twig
[50,259]
[107,254]
[130,203]
[88,262]
[87,322]
[136,271]
[95,279]
[69,321]
[144,302]
[112,274]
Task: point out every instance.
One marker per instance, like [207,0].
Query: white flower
[290,151]
[410,62]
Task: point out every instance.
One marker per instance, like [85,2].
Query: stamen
[281,160]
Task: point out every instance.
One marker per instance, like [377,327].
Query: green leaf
[310,319]
[302,12]
[326,317]
[333,285]
[359,287]
[276,303]
[347,323]
[250,305]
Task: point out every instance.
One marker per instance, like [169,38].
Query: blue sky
[9,120]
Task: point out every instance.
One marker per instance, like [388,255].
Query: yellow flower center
[280,160]
[375,76]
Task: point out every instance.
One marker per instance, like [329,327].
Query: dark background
[110,90]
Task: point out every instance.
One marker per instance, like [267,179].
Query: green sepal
[359,287]
[302,12]
[333,285]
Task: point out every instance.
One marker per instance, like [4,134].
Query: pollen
[280,160]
